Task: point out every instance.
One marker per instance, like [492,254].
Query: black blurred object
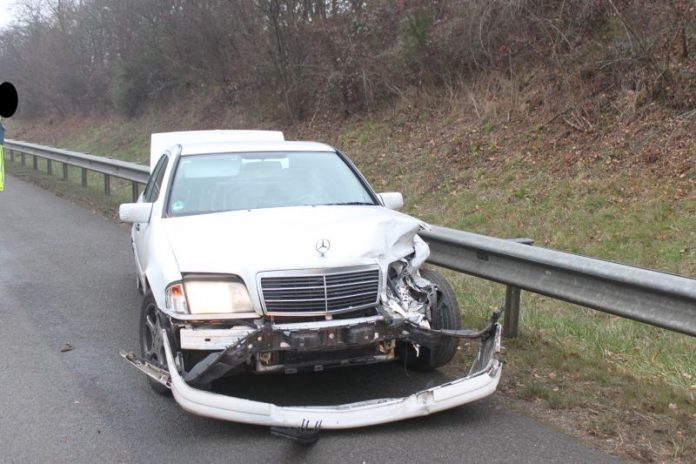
[302,435]
[8,99]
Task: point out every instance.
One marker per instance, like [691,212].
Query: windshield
[237,181]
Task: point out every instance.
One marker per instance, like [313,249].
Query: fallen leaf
[67,347]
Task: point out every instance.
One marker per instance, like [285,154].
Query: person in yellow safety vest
[2,157]
[8,106]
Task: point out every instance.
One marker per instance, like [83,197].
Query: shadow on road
[330,387]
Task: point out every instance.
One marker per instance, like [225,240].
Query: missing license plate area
[335,386]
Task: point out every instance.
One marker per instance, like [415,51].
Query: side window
[153,185]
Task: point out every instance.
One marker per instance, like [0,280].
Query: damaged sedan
[258,254]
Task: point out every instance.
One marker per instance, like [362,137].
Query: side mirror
[135,212]
[392,200]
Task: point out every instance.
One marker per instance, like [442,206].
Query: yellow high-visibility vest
[2,169]
[2,157]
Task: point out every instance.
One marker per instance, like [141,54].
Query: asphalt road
[67,277]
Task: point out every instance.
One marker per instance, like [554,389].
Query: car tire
[151,347]
[445,315]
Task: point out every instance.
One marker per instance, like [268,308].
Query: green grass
[587,216]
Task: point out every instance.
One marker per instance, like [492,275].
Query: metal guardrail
[135,173]
[656,298]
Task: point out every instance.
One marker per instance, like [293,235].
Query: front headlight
[175,299]
[215,296]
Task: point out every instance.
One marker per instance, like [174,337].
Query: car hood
[251,241]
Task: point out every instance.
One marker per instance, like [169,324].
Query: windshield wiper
[349,203]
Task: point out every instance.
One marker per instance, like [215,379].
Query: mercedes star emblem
[323,246]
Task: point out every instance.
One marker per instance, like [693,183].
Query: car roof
[246,147]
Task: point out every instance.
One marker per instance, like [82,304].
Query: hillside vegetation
[299,59]
[570,122]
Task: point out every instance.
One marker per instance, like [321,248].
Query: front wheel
[151,343]
[445,315]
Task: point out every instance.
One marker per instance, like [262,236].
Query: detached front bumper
[481,381]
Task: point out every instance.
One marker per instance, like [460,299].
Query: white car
[265,255]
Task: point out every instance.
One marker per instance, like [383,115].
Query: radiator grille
[320,293]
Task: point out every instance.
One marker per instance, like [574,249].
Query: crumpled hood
[247,242]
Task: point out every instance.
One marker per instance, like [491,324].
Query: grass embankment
[623,191]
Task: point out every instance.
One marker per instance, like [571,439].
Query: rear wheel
[445,315]
[151,342]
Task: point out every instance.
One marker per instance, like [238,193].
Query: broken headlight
[408,294]
[209,295]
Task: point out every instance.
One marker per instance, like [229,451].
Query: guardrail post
[84,177]
[134,191]
[12,154]
[65,171]
[511,320]
[512,311]
[36,162]
[49,167]
[24,160]
[107,184]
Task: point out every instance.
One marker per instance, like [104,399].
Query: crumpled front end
[481,381]
[190,388]
[380,310]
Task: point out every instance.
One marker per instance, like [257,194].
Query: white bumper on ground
[474,386]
